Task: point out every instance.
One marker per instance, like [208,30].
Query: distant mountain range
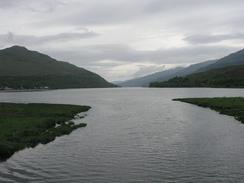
[164,75]
[21,68]
[228,77]
[233,59]
[225,72]
[146,80]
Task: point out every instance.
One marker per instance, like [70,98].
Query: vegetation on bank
[27,125]
[51,82]
[232,106]
[228,77]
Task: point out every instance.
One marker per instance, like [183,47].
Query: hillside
[228,77]
[164,75]
[233,59]
[146,80]
[195,68]
[21,68]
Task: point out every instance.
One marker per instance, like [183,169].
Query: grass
[232,106]
[27,125]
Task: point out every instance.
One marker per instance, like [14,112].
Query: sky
[123,39]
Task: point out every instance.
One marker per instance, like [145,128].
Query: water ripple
[134,135]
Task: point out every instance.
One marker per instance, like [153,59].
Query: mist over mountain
[164,75]
[146,80]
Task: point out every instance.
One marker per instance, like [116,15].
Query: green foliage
[21,68]
[26,125]
[232,106]
[52,82]
[228,77]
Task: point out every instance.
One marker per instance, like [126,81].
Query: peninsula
[27,125]
[231,106]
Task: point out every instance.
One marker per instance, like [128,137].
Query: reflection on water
[134,135]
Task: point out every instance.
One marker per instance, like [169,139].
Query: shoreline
[23,90]
[231,106]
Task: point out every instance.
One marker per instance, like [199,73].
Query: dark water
[134,135]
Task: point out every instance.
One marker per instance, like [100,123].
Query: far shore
[22,90]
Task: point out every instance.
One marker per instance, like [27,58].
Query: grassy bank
[232,106]
[27,125]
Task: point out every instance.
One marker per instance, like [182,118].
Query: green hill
[228,77]
[233,59]
[21,68]
[225,72]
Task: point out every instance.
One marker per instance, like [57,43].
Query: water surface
[134,135]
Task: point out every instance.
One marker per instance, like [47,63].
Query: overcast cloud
[121,39]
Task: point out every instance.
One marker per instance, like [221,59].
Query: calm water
[134,135]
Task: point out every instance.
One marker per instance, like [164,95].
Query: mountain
[227,77]
[223,73]
[164,75]
[146,80]
[195,68]
[22,68]
[233,59]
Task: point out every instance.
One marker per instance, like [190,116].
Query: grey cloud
[94,12]
[122,23]
[9,4]
[159,6]
[17,3]
[206,39]
[88,55]
[43,6]
[11,38]
[199,17]
[168,5]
